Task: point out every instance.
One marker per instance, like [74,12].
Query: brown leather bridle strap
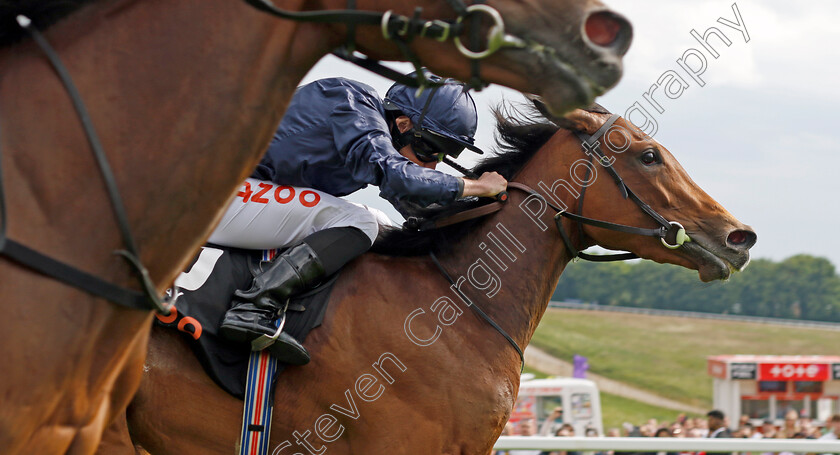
[529,190]
[493,207]
[670,233]
[469,214]
[402,29]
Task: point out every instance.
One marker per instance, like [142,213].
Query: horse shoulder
[459,386]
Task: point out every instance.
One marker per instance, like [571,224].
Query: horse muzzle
[717,260]
[571,74]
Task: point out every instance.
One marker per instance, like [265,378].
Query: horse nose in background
[741,239]
[609,30]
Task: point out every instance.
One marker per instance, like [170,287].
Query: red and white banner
[794,372]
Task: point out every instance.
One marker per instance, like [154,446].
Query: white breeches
[266,215]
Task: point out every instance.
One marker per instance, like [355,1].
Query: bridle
[401,30]
[670,233]
[147,299]
[397,28]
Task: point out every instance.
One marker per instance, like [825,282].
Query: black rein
[145,300]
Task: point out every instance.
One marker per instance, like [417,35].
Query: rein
[401,30]
[671,233]
[667,229]
[146,300]
[478,310]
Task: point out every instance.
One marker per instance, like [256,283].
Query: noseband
[671,233]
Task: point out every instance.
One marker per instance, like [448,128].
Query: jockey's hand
[488,185]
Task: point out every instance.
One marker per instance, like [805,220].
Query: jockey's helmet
[444,118]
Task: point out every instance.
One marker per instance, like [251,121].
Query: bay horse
[400,364]
[185,95]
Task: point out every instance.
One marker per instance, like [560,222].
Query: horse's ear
[543,109]
[540,106]
[577,120]
[584,121]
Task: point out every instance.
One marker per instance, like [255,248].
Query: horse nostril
[607,29]
[741,239]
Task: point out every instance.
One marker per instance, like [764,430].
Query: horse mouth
[712,264]
[578,70]
[563,86]
[571,84]
[585,85]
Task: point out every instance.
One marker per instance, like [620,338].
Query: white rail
[669,444]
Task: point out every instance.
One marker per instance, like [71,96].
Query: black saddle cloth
[205,292]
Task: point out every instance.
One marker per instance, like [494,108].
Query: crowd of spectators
[714,425]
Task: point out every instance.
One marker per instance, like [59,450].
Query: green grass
[667,355]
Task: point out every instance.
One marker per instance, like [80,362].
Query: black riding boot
[254,312]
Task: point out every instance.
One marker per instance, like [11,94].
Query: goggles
[430,146]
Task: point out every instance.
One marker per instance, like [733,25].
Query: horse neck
[534,258]
[184,95]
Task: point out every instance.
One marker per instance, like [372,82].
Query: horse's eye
[649,157]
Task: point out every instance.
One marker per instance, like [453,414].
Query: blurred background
[761,136]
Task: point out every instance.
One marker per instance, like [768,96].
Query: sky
[761,135]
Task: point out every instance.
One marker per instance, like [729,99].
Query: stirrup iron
[264,341]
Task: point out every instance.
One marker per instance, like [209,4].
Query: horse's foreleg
[117,441]
[111,421]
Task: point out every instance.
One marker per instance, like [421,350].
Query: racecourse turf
[667,355]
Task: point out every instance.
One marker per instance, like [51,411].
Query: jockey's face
[404,124]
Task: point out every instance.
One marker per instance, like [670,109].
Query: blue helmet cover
[451,113]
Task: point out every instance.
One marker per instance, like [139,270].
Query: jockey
[337,137]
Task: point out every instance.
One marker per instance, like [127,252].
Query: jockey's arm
[359,128]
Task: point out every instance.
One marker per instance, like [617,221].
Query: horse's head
[568,51]
[718,243]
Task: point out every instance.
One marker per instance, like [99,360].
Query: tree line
[799,287]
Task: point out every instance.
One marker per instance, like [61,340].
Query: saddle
[205,292]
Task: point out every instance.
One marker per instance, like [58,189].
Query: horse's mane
[43,14]
[520,132]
